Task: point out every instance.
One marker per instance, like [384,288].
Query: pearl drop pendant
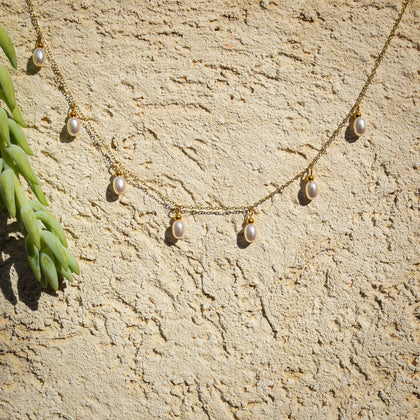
[311,187]
[73,126]
[311,190]
[119,184]
[250,230]
[38,57]
[359,126]
[178,228]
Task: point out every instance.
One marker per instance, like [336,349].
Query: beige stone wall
[217,102]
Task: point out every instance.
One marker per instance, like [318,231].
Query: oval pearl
[359,126]
[119,185]
[38,57]
[73,126]
[311,190]
[178,229]
[250,232]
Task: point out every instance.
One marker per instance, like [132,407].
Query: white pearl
[178,229]
[311,190]
[359,126]
[38,57]
[73,126]
[250,232]
[119,185]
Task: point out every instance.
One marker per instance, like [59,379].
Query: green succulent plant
[46,243]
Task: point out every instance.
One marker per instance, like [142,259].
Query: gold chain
[115,165]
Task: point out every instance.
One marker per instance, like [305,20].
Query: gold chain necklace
[123,175]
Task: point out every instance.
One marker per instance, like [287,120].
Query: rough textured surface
[217,102]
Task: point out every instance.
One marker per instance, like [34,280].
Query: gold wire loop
[357,113]
[119,172]
[178,215]
[310,176]
[73,112]
[39,43]
[250,218]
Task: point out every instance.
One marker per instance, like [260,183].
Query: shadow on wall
[28,288]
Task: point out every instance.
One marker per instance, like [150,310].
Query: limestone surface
[218,103]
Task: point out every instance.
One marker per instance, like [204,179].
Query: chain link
[115,165]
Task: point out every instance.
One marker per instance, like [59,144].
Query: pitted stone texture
[219,102]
